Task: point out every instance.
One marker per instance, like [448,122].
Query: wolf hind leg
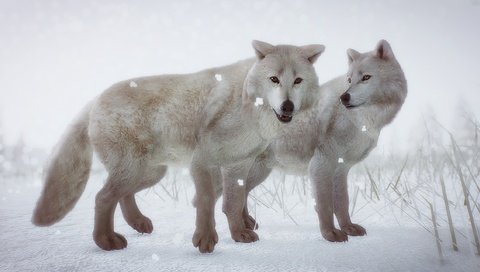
[128,205]
[105,204]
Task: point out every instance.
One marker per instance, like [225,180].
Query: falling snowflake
[258,101]
[218,77]
[133,84]
[155,257]
[340,160]
[364,128]
[240,182]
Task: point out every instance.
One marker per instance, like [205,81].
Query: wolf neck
[263,120]
[373,117]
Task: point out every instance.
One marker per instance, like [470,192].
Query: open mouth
[284,118]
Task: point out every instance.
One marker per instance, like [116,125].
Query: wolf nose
[345,98]
[287,107]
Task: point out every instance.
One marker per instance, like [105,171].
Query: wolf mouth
[350,106]
[284,118]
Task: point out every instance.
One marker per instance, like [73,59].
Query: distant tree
[467,134]
[466,128]
[2,153]
[2,150]
[18,157]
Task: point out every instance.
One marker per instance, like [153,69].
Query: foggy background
[55,56]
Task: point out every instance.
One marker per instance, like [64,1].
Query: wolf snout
[345,98]
[287,108]
[286,111]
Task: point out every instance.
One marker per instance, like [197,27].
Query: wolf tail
[67,173]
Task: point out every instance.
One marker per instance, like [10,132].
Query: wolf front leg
[259,171]
[322,173]
[205,236]
[234,198]
[341,204]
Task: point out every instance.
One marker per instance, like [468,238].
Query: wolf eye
[366,77]
[349,80]
[274,79]
[298,80]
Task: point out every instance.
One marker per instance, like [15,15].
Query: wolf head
[375,78]
[283,78]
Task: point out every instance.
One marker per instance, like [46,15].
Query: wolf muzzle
[286,113]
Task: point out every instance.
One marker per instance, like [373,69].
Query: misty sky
[55,56]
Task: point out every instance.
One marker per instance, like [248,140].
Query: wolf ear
[352,55]
[312,51]
[383,50]
[262,48]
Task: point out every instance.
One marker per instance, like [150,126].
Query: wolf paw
[244,236]
[205,240]
[335,235]
[110,241]
[142,224]
[250,223]
[354,230]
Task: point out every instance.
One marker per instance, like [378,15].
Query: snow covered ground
[283,245]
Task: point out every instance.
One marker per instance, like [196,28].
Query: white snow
[240,182]
[218,77]
[133,84]
[364,128]
[340,160]
[178,238]
[258,101]
[283,245]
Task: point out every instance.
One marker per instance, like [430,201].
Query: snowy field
[289,234]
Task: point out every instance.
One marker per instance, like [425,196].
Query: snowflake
[364,128]
[133,84]
[340,160]
[240,182]
[258,101]
[218,77]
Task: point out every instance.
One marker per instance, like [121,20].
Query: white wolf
[211,120]
[330,139]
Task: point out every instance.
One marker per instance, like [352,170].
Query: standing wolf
[212,120]
[339,132]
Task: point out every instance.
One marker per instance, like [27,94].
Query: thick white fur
[139,126]
[314,144]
